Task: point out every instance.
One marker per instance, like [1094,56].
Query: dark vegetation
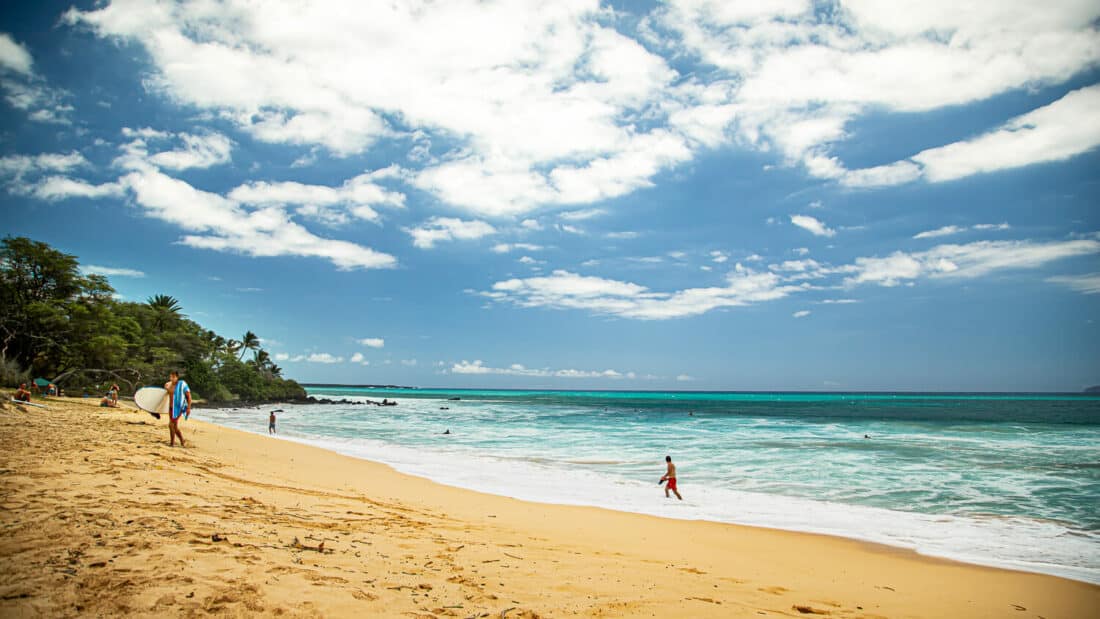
[60,324]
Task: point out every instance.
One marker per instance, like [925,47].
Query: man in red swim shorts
[670,477]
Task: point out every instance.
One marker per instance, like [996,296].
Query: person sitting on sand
[22,394]
[51,389]
[111,399]
[179,404]
[271,423]
[670,476]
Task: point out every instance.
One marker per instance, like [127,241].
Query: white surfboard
[22,403]
[153,400]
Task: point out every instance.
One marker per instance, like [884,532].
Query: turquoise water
[1004,479]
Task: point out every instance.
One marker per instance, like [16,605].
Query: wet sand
[100,517]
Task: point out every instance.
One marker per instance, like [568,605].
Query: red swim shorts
[671,483]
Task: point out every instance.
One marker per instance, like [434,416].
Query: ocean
[1009,480]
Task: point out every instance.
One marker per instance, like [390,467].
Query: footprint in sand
[809,610]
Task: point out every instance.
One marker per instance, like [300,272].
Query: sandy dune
[100,517]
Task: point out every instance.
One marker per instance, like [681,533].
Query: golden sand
[100,517]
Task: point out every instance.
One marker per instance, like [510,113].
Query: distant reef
[1093,389]
[337,385]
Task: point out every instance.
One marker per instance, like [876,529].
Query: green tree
[68,326]
[250,341]
[41,291]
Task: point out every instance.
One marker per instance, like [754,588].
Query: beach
[101,517]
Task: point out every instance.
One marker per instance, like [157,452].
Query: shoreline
[311,531]
[1055,570]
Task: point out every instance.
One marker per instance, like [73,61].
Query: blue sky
[689,194]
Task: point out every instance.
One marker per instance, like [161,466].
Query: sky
[692,194]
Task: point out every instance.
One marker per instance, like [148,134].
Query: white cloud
[719,256]
[802,78]
[281,356]
[839,301]
[812,225]
[357,197]
[882,176]
[551,104]
[323,357]
[743,286]
[1085,284]
[14,56]
[1000,226]
[197,151]
[437,229]
[20,169]
[26,91]
[214,221]
[685,378]
[408,362]
[503,248]
[622,235]
[54,188]
[544,97]
[801,314]
[581,215]
[965,261]
[221,224]
[516,369]
[944,231]
[565,290]
[531,224]
[1053,132]
[111,271]
[950,230]
[357,358]
[203,150]
[372,342]
[18,166]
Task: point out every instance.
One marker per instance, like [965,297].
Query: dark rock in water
[1093,389]
[313,400]
[453,399]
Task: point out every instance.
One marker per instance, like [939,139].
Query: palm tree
[164,302]
[165,309]
[250,341]
[232,346]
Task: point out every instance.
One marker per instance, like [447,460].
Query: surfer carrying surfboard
[179,404]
